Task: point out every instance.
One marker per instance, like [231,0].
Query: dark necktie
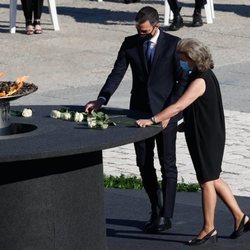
[148,54]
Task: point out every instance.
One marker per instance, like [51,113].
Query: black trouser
[166,148]
[175,6]
[30,7]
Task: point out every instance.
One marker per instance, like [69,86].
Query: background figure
[151,54]
[32,10]
[204,131]
[178,21]
[131,1]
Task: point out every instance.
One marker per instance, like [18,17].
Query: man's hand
[144,123]
[93,105]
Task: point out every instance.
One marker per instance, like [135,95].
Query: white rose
[55,114]
[91,122]
[65,116]
[104,126]
[27,112]
[78,117]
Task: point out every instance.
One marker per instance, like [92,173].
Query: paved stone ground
[70,66]
[236,163]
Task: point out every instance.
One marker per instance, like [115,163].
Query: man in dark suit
[157,82]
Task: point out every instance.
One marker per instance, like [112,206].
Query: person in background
[204,130]
[178,21]
[32,10]
[157,81]
[131,1]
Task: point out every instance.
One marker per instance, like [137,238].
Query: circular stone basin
[44,137]
[16,129]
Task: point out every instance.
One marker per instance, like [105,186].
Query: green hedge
[134,182]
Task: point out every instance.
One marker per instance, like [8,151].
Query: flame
[2,94]
[22,79]
[2,74]
[18,84]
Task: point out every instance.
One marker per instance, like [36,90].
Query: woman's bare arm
[194,91]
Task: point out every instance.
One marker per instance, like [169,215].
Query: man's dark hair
[147,13]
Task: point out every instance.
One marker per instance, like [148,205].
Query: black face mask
[145,37]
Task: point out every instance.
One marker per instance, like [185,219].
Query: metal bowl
[27,89]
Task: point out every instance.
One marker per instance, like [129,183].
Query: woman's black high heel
[243,227]
[209,238]
[247,226]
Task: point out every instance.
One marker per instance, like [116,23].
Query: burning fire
[10,88]
[2,74]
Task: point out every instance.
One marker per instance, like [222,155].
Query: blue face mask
[184,65]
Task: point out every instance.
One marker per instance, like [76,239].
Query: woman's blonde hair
[197,52]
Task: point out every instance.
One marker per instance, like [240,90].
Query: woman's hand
[144,123]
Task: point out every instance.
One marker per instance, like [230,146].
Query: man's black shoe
[176,24]
[152,223]
[197,20]
[151,227]
[164,224]
[157,225]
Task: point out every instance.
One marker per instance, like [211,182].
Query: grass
[134,182]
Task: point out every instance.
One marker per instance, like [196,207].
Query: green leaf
[133,182]
[63,109]
[15,113]
[100,119]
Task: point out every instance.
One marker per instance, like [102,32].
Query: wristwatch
[153,120]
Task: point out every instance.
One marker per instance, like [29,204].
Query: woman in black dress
[204,130]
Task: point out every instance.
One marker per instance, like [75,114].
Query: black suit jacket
[151,91]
